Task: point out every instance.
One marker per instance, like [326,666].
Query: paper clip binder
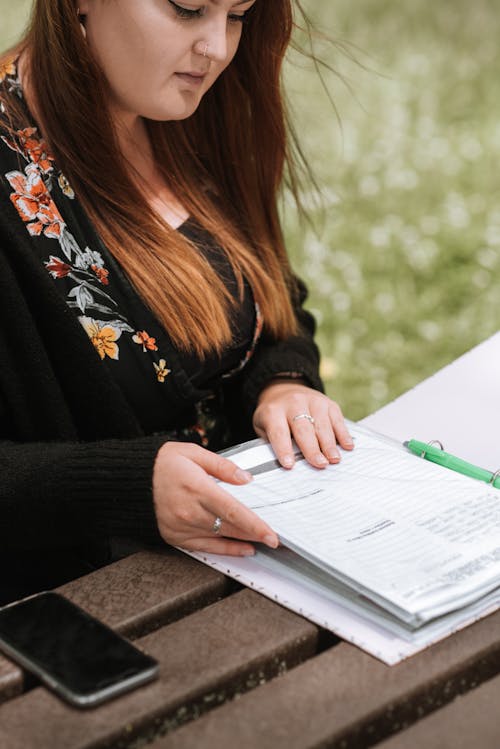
[434,451]
[494,477]
[433,442]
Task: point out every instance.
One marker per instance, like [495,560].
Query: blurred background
[402,251]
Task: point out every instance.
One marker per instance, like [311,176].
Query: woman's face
[160,57]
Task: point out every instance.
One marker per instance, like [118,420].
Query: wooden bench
[240,671]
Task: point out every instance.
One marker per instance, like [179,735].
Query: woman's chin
[180,112]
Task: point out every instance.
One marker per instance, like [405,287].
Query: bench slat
[134,596]
[345,698]
[146,590]
[472,720]
[229,647]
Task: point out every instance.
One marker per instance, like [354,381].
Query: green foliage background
[403,257]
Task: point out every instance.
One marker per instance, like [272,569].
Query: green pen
[436,455]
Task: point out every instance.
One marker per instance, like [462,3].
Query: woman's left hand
[288,410]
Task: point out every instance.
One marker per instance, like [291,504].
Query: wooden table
[238,671]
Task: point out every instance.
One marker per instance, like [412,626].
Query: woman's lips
[194,79]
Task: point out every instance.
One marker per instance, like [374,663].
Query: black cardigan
[77,471]
[75,464]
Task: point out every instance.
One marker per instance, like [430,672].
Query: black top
[76,451]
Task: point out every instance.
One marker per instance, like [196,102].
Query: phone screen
[70,650]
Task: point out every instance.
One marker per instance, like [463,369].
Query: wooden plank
[225,649]
[147,590]
[134,596]
[345,698]
[472,720]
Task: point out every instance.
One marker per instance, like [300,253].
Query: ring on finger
[303,416]
[217,525]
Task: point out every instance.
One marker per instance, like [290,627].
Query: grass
[403,258]
[14,16]
[403,267]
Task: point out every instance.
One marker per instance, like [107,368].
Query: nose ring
[205,49]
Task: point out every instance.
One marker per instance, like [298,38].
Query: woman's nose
[215,45]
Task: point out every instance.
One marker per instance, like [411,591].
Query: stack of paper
[388,550]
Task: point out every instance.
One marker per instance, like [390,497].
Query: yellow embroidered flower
[161,370]
[7,68]
[103,337]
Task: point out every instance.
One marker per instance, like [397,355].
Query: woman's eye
[186,12]
[238,18]
[196,13]
[241,17]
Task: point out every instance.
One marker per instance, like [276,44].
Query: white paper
[320,607]
[459,406]
[416,538]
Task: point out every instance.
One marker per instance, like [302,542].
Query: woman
[149,314]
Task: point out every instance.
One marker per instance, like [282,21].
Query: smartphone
[74,654]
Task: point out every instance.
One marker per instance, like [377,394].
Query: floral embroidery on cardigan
[8,68]
[145,340]
[32,197]
[103,336]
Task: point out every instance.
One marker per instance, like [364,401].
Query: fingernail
[248,553]
[334,456]
[287,461]
[349,442]
[271,541]
[320,458]
[243,476]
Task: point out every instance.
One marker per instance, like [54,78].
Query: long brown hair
[228,185]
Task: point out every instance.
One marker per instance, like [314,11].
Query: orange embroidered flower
[34,149]
[34,203]
[57,268]
[102,274]
[145,340]
[161,370]
[103,337]
[7,68]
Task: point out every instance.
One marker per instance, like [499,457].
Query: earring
[80,20]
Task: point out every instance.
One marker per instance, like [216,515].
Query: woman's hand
[188,500]
[316,437]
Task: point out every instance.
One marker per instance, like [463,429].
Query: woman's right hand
[187,501]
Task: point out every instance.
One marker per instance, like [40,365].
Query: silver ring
[205,49]
[304,416]
[217,525]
